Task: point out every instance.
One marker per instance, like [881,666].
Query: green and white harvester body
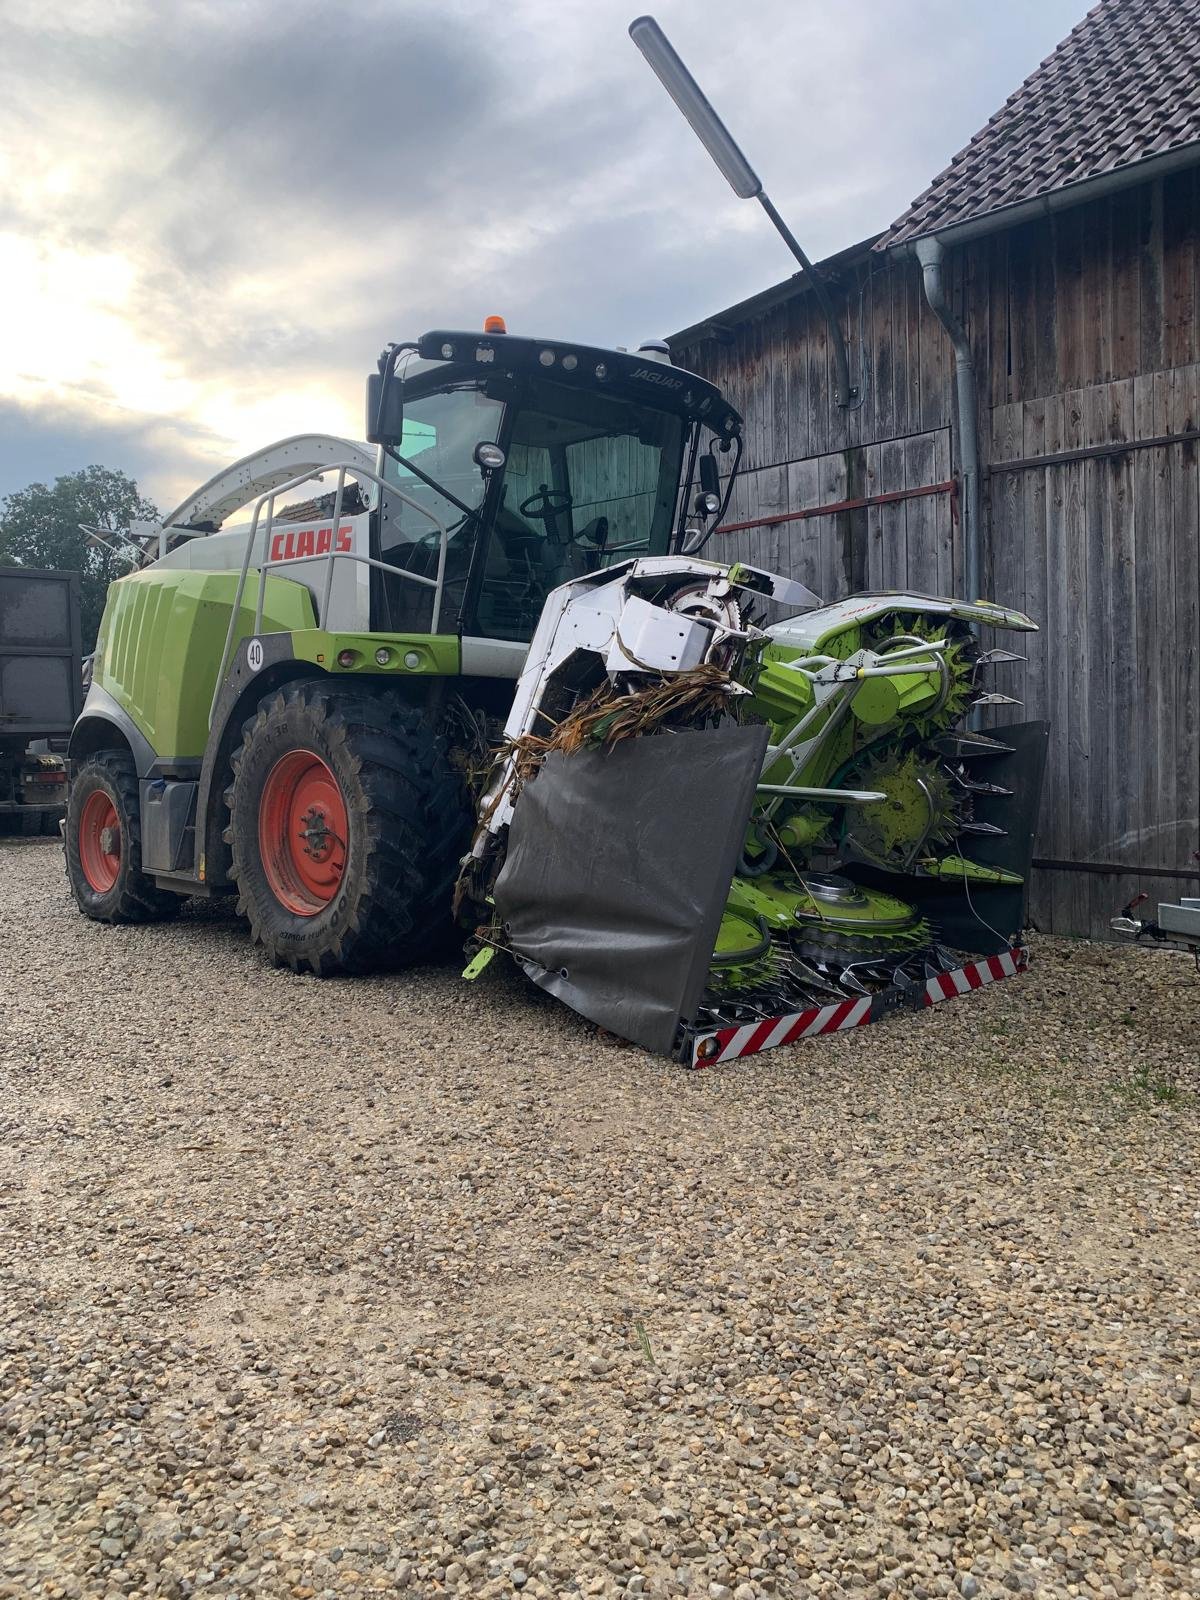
[483,675]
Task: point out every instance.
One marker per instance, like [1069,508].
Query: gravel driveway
[401,1286]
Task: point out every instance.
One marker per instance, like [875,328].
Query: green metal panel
[161,640]
[409,655]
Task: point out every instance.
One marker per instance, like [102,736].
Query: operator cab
[543,461]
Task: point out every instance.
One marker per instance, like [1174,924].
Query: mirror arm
[388,357]
[738,446]
[682,530]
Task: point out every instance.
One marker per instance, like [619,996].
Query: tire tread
[415,814]
[135,897]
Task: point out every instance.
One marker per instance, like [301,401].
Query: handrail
[331,555]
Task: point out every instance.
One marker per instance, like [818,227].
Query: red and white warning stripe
[727,1044]
[949,985]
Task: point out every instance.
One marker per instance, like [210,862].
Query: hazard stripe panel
[730,1044]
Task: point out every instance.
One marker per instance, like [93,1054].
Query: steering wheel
[547,505]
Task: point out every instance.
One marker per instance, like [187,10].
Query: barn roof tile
[1122,87]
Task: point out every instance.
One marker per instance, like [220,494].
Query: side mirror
[710,476]
[488,457]
[385,409]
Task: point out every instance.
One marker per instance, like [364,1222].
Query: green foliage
[1144,1087]
[39,527]
[1163,1090]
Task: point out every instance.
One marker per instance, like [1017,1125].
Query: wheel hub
[832,889]
[318,837]
[99,840]
[828,919]
[302,832]
[961,657]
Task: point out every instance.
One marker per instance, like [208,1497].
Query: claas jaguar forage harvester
[489,684]
[486,678]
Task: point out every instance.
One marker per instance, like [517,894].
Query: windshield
[589,480]
[440,434]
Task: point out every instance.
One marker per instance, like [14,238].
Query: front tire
[346,827]
[103,841]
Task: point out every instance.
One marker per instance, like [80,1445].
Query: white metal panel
[493,658]
[803,632]
[236,485]
[350,597]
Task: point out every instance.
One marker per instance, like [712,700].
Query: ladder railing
[343,470]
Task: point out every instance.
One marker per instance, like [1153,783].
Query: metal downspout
[930,254]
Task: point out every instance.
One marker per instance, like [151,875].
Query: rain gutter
[1064,198]
[930,254]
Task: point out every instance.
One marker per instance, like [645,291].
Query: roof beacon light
[494,325]
[741,176]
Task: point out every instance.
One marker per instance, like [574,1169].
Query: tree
[39,527]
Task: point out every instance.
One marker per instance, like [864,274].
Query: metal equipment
[1177,922]
[39,694]
[483,676]
[341,679]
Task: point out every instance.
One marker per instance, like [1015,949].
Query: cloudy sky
[213,213]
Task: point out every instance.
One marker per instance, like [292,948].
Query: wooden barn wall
[1086,330]
[881,547]
[1103,291]
[803,451]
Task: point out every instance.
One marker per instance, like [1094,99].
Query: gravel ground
[400,1286]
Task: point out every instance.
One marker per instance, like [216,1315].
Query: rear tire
[39,822]
[103,840]
[347,823]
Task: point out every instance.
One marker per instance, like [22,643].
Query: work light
[692,101]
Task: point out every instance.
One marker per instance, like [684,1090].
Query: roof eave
[767,299]
[1043,205]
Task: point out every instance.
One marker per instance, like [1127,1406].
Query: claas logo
[299,542]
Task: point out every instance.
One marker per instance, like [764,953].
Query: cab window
[589,480]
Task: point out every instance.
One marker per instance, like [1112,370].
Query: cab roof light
[494,325]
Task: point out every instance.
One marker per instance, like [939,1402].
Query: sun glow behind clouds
[75,342]
[73,330]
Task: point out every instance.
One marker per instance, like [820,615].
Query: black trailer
[40,693]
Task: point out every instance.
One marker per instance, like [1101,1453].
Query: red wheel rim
[302,830]
[99,841]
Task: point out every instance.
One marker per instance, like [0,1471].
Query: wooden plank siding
[1109,564]
[913,542]
[1085,326]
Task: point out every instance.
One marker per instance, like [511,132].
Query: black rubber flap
[619,863]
